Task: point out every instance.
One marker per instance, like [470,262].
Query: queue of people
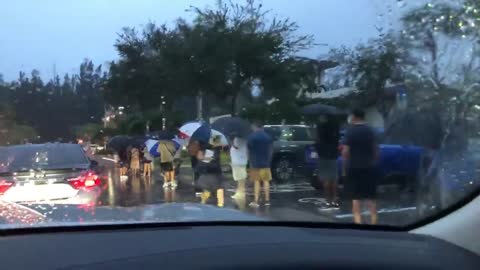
[250,159]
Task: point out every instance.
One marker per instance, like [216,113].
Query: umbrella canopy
[204,134]
[118,143]
[233,126]
[189,128]
[138,141]
[316,109]
[152,146]
[164,135]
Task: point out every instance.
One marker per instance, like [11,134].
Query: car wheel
[283,170]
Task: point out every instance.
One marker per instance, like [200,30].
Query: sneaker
[267,204]
[173,184]
[254,205]
[166,185]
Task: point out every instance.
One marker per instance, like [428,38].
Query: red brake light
[5,185]
[85,180]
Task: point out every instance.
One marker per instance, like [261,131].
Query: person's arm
[270,152]
[346,152]
[234,142]
[345,159]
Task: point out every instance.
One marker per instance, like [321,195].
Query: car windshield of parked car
[290,133]
[332,111]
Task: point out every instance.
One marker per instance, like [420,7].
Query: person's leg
[256,191]
[267,177]
[356,210]
[172,177]
[334,192]
[220,197]
[241,186]
[173,172]
[145,169]
[166,177]
[372,206]
[255,177]
[266,191]
[205,196]
[327,190]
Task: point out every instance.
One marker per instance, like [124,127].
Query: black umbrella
[119,143]
[232,126]
[316,109]
[138,141]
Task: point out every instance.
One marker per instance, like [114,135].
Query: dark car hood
[70,215]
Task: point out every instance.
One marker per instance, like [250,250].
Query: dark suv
[293,147]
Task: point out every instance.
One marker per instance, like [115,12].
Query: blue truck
[399,164]
[295,157]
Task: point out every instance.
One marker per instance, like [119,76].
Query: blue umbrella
[202,134]
[152,146]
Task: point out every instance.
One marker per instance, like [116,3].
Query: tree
[369,67]
[219,55]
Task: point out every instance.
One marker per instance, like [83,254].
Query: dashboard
[209,246]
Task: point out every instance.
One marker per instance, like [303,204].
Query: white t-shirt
[239,152]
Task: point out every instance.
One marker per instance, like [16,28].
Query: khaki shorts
[239,172]
[262,174]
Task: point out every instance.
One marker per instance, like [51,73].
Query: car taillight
[85,180]
[5,185]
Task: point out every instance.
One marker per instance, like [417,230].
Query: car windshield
[41,157]
[332,111]
[289,133]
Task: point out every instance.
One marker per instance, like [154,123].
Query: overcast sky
[43,33]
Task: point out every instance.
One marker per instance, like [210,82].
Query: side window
[286,135]
[274,132]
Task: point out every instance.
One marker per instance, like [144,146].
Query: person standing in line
[193,148]
[260,152]
[360,154]
[166,149]
[210,174]
[239,160]
[147,162]
[123,163]
[135,161]
[328,136]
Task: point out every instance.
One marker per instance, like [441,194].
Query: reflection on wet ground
[289,201]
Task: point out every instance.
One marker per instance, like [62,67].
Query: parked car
[53,172]
[292,151]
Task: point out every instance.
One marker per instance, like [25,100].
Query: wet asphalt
[127,199]
[293,201]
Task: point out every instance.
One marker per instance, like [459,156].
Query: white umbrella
[189,128]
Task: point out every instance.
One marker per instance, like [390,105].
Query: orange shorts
[262,174]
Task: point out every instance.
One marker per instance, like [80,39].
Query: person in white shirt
[239,160]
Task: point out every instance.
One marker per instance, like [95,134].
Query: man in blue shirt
[260,151]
